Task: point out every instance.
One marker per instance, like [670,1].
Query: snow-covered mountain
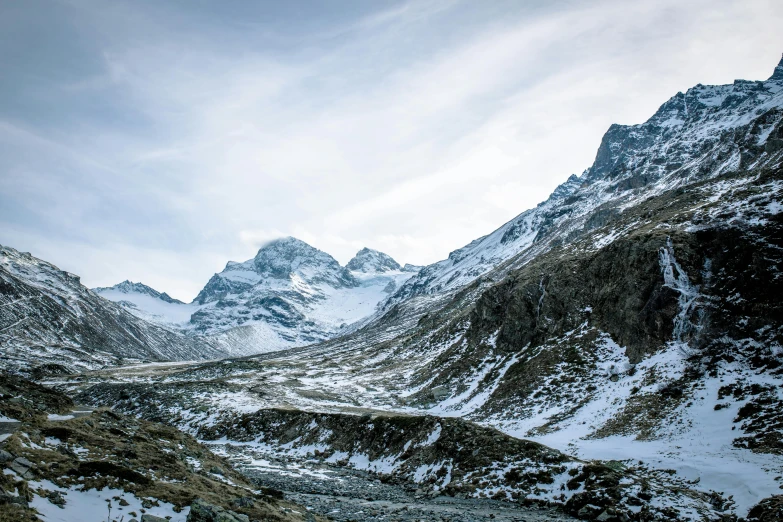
[132,289]
[147,303]
[289,294]
[367,260]
[48,319]
[703,133]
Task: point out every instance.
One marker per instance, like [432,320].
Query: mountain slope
[708,131]
[48,317]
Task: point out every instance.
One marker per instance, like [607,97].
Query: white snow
[57,417]
[94,505]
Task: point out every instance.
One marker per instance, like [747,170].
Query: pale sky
[154,141]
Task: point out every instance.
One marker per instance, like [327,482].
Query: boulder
[152,518]
[21,465]
[201,511]
[5,457]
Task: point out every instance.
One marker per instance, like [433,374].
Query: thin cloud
[193,135]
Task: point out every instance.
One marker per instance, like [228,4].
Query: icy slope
[48,317]
[147,303]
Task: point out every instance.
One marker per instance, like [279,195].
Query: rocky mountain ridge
[48,319]
[703,133]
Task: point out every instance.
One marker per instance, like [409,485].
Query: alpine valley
[613,354]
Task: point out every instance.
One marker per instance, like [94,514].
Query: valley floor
[198,395]
[344,494]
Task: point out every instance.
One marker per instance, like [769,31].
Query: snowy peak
[778,74]
[284,257]
[368,260]
[129,287]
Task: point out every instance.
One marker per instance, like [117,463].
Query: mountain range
[633,319]
[289,294]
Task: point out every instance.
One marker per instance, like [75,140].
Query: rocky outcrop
[155,467]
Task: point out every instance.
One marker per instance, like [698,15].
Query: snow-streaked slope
[703,133]
[48,317]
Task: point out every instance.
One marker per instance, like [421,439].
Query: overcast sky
[154,141]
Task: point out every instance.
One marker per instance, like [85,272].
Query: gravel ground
[348,495]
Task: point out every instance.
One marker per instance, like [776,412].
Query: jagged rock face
[283,259]
[47,317]
[708,130]
[291,294]
[367,260]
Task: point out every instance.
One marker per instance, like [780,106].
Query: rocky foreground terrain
[64,462]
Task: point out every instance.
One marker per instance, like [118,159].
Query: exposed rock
[201,511]
[152,518]
[21,465]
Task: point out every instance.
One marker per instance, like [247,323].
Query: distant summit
[283,257]
[369,260]
[129,287]
[778,74]
[292,294]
